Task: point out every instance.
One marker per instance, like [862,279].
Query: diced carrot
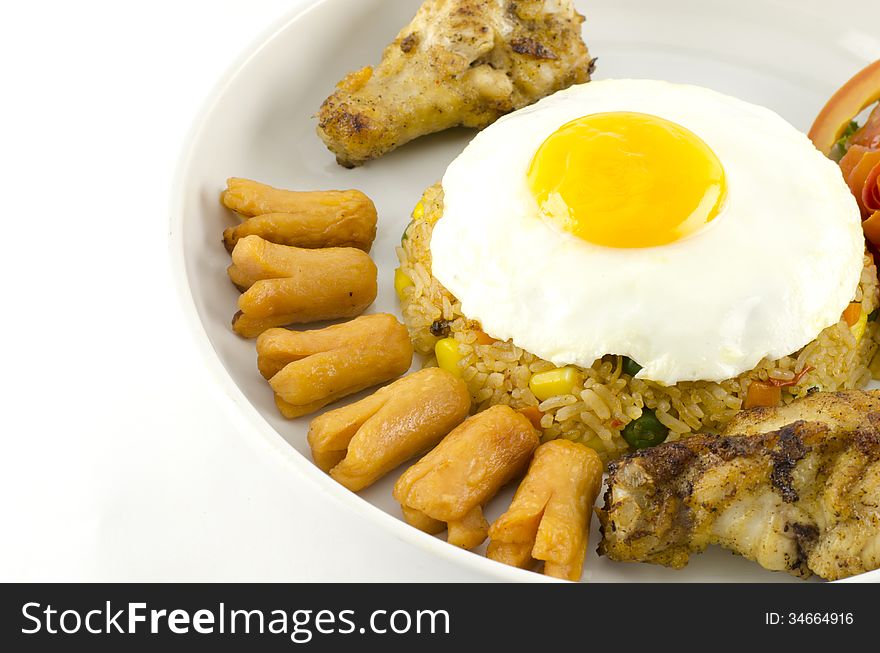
[871,227]
[484,338]
[762,394]
[852,313]
[533,414]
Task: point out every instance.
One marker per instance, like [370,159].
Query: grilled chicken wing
[459,62]
[804,498]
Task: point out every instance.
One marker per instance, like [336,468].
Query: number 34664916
[808,618]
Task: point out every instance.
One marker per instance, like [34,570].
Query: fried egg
[689,230]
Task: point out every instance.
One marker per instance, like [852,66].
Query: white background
[120,460]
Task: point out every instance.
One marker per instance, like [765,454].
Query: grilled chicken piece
[846,409]
[803,499]
[459,62]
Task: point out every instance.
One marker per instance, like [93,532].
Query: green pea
[630,366]
[646,431]
[872,316]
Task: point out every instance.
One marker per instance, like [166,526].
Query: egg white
[779,263]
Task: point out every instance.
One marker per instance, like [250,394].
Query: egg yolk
[625,179]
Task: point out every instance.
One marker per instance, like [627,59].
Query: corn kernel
[448,355]
[858,329]
[418,212]
[401,282]
[551,383]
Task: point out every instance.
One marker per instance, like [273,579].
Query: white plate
[788,55]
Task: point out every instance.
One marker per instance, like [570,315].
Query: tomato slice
[868,134]
[851,159]
[871,227]
[859,92]
[858,178]
[871,190]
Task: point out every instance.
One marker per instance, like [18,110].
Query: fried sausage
[290,285]
[310,230]
[549,517]
[327,218]
[360,443]
[328,364]
[470,465]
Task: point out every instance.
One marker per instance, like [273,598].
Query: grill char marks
[790,451]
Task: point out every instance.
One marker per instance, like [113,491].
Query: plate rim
[257,425]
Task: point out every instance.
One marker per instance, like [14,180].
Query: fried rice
[606,398]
